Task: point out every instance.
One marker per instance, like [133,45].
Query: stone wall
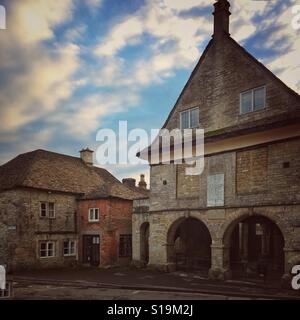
[257,176]
[258,182]
[225,72]
[23,228]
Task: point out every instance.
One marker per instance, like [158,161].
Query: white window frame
[252,94]
[43,203]
[189,112]
[47,210]
[69,254]
[93,215]
[47,249]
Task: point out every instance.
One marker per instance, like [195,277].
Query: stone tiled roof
[57,172]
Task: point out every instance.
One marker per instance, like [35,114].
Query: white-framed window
[253,100]
[69,248]
[43,210]
[47,210]
[47,249]
[93,214]
[189,118]
[215,190]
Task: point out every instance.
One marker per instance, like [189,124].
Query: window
[69,248]
[47,249]
[47,209]
[93,214]
[215,190]
[51,210]
[253,100]
[43,212]
[189,119]
[125,246]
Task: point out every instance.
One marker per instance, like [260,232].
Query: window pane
[246,102]
[51,210]
[43,209]
[91,215]
[50,249]
[194,114]
[259,98]
[185,120]
[43,249]
[96,214]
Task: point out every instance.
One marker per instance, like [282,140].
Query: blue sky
[69,68]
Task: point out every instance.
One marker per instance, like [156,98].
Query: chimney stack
[86,156]
[142,183]
[221,18]
[130,182]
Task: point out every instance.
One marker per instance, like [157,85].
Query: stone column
[220,262]
[245,244]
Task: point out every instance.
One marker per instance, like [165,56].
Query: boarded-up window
[187,186]
[215,190]
[251,169]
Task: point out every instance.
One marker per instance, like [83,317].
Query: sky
[69,68]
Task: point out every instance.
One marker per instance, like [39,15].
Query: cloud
[94,4]
[33,21]
[82,118]
[35,78]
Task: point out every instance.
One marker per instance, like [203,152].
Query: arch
[144,242]
[189,244]
[253,247]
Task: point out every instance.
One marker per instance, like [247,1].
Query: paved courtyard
[53,292]
[129,283]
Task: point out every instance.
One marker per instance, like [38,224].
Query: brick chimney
[130,182]
[142,183]
[221,18]
[86,156]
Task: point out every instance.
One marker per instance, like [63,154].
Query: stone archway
[144,242]
[254,245]
[189,245]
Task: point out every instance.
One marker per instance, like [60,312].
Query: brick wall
[115,219]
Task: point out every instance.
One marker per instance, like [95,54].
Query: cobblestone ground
[65,293]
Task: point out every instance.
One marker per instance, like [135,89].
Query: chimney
[142,183]
[130,182]
[86,156]
[221,18]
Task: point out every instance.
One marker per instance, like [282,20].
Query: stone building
[242,213]
[41,193]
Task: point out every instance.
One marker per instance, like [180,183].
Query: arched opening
[189,245]
[144,242]
[255,248]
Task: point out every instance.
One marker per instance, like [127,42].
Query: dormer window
[253,100]
[189,119]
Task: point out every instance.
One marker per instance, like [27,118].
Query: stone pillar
[158,247]
[220,262]
[245,244]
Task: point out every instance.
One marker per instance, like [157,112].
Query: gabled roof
[52,171]
[244,52]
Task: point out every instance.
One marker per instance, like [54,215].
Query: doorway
[91,250]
